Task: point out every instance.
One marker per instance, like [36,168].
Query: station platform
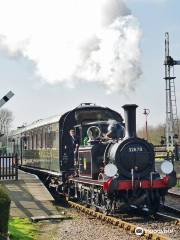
[29,197]
[175,191]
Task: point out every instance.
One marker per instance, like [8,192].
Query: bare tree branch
[6,118]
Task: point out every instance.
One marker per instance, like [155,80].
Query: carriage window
[32,141]
[56,140]
[39,138]
[43,138]
[50,139]
[35,141]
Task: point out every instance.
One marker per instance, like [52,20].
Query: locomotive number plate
[135,149]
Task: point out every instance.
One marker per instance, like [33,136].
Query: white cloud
[72,40]
[148,1]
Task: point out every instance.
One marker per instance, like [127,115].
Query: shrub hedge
[4,212]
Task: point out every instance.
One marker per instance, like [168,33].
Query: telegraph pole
[172,128]
[146,113]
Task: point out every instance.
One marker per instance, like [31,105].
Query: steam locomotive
[112,170]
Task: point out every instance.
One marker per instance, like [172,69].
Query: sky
[54,55]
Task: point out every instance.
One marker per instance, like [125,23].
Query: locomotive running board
[89,181]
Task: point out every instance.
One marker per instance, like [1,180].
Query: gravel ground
[82,227]
[165,228]
[87,228]
[159,226]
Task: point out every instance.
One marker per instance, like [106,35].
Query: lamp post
[146,113]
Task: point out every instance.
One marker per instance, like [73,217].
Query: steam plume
[74,40]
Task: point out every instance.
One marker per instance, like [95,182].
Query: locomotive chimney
[130,119]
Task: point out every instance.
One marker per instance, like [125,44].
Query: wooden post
[3,167]
[0,167]
[16,166]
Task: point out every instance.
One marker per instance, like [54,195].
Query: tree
[6,118]
[154,133]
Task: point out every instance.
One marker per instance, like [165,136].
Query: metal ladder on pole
[172,126]
[175,124]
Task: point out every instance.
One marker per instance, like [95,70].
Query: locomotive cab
[91,160]
[91,150]
[81,119]
[96,136]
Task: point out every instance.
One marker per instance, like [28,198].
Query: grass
[22,229]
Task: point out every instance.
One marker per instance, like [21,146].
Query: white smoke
[74,40]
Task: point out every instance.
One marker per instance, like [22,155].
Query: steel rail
[176,220]
[171,209]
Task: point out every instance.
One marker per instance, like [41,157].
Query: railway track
[172,204]
[171,210]
[128,224]
[169,217]
[139,226]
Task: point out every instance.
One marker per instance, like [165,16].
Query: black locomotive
[112,169]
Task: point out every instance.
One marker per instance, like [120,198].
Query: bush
[4,211]
[3,150]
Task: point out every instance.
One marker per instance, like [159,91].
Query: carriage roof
[70,118]
[37,124]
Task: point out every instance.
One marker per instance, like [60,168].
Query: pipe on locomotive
[130,120]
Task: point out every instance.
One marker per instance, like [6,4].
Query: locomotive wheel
[84,197]
[70,192]
[152,202]
[106,204]
[96,201]
[88,198]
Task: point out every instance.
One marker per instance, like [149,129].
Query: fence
[8,167]
[161,152]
